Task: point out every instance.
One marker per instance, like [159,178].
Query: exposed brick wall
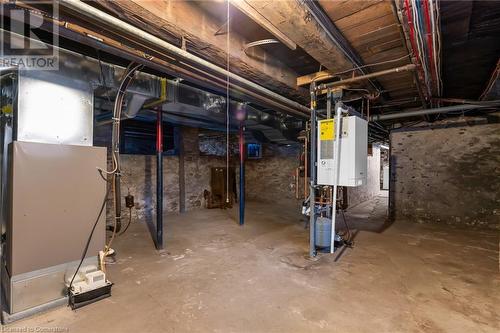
[447,175]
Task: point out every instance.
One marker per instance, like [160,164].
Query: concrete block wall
[447,174]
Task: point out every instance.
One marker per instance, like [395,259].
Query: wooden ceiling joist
[249,11]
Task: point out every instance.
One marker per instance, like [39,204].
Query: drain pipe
[105,19]
[336,170]
[415,113]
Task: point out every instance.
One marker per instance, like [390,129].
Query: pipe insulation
[415,113]
[101,17]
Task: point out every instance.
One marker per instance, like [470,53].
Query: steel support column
[159,179]
[312,181]
[242,172]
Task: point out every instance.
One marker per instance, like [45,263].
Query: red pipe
[429,38]
[159,131]
[412,31]
[412,36]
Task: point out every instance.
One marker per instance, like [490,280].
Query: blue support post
[242,172]
[159,179]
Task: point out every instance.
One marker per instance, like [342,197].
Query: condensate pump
[89,285]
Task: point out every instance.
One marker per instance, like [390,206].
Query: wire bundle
[425,38]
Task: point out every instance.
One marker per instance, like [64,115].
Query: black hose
[129,221]
[348,242]
[89,239]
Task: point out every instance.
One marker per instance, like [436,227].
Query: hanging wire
[227,107]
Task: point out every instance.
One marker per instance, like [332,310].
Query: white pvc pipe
[336,167]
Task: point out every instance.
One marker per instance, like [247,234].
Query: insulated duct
[105,19]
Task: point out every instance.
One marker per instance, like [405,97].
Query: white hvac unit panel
[353,153]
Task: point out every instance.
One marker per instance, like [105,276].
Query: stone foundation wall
[357,195]
[447,174]
[270,179]
[139,176]
[184,176]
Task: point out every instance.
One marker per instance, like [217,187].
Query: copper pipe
[405,68]
[296,183]
[305,164]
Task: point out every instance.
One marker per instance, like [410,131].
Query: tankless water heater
[353,151]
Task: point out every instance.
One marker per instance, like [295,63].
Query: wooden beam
[295,21]
[249,11]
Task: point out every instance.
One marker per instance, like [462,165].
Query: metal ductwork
[238,82]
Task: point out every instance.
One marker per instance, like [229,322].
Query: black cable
[89,239]
[102,176]
[348,242]
[129,221]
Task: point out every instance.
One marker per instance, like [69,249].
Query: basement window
[254,151]
[139,138]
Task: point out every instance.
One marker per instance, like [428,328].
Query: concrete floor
[220,277]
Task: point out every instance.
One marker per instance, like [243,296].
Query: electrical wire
[127,79]
[87,244]
[434,43]
[420,43]
[112,171]
[129,221]
[424,22]
[430,43]
[439,43]
[348,242]
[227,106]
